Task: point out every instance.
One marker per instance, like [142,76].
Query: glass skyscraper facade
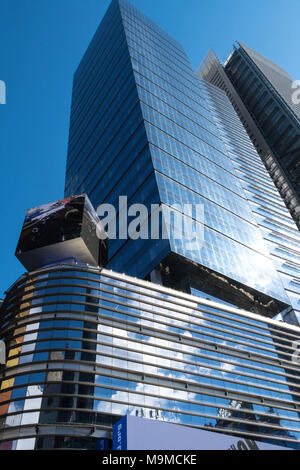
[267,92]
[276,224]
[142,126]
[86,346]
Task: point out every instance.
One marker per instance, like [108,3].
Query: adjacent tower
[270,209]
[271,97]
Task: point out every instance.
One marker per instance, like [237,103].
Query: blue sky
[42,42]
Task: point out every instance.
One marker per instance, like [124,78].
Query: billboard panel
[132,433]
[62,230]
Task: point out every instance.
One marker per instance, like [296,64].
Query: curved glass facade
[86,347]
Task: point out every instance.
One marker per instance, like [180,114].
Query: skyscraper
[271,97]
[277,227]
[142,126]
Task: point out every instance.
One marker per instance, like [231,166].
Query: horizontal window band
[151,380]
[169,335]
[161,314]
[51,430]
[146,380]
[139,407]
[175,340]
[66,365]
[222,313]
[142,394]
[129,349]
